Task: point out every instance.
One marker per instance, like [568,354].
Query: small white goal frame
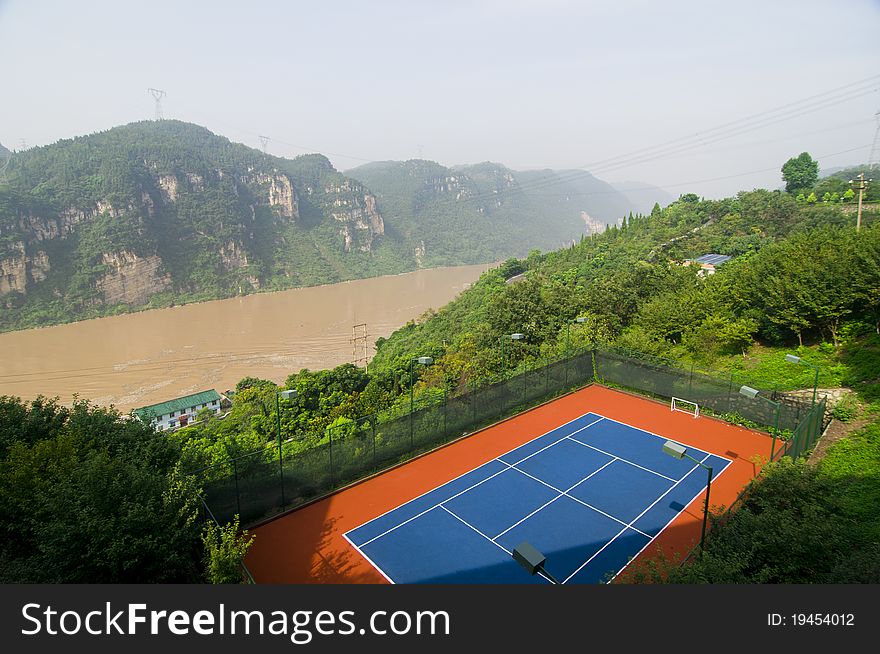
[695,410]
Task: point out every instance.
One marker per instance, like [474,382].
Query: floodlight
[748,391]
[532,561]
[425,361]
[517,336]
[677,451]
[792,358]
[289,394]
[673,449]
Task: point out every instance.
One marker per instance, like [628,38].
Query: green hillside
[158,213]
[487,211]
[163,212]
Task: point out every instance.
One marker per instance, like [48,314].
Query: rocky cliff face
[19,270]
[117,217]
[280,192]
[131,279]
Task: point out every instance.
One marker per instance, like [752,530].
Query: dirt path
[835,431]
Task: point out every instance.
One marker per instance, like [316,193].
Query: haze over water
[143,358]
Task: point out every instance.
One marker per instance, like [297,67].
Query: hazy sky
[528,83]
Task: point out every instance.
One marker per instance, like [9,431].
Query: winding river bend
[147,357]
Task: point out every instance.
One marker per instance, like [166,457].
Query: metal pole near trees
[862,185]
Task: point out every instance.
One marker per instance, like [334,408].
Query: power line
[713,135]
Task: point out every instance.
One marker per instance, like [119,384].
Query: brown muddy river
[143,358]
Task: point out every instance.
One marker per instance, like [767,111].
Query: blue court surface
[589,495]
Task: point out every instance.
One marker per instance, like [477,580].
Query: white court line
[568,436]
[675,516]
[629,526]
[572,497]
[369,560]
[593,447]
[663,438]
[418,515]
[564,424]
[467,524]
[517,523]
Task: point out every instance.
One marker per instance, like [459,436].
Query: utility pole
[157,94]
[862,186]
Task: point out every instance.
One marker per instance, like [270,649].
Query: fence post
[473,405]
[373,429]
[595,361]
[445,407]
[691,381]
[237,492]
[330,443]
[729,391]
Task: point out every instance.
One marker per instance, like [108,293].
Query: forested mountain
[158,213]
[487,211]
[799,271]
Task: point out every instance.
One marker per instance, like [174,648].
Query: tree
[87,497]
[801,172]
[225,548]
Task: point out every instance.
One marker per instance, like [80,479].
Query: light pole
[514,337]
[425,361]
[579,319]
[532,561]
[753,393]
[793,359]
[287,395]
[677,451]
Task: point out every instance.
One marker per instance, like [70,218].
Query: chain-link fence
[258,485]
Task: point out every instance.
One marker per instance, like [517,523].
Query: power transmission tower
[265,141]
[359,344]
[872,160]
[23,144]
[157,94]
[861,184]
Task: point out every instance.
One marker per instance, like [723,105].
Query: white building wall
[168,421]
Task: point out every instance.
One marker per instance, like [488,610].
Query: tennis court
[590,495]
[600,494]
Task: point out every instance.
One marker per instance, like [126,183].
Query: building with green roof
[180,411]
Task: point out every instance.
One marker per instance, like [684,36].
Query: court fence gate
[257,486]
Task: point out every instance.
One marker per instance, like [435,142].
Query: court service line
[572,497]
[629,526]
[483,481]
[467,524]
[518,522]
[593,447]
